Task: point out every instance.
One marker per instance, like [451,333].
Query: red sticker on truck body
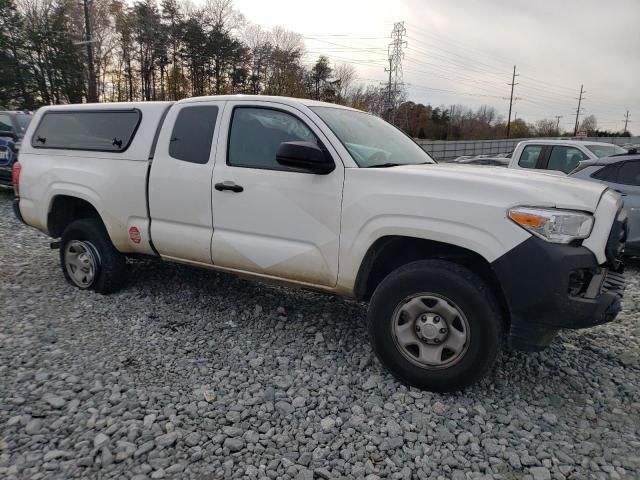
[134,235]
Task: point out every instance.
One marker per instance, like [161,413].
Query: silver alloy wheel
[81,262]
[430,331]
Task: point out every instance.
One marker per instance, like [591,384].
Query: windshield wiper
[391,164]
[385,165]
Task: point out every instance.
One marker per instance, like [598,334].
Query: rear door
[180,182]
[269,219]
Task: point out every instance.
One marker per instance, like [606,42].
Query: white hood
[513,187]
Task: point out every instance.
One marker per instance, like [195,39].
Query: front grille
[616,241]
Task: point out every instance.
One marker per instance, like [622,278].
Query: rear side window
[193,133]
[103,131]
[629,173]
[530,155]
[607,174]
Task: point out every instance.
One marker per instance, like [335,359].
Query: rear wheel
[435,325]
[88,258]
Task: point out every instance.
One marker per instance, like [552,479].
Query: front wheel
[88,258]
[435,325]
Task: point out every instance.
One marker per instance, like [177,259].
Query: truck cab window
[530,155]
[256,134]
[193,133]
[565,158]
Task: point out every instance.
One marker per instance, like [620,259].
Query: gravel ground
[192,374]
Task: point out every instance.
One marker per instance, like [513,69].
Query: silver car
[621,173]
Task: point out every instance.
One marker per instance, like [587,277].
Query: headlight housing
[557,226]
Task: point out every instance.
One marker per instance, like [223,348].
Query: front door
[269,219]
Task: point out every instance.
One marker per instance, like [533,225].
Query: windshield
[371,141]
[606,150]
[24,121]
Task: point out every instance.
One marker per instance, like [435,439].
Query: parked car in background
[13,126]
[559,155]
[7,158]
[622,174]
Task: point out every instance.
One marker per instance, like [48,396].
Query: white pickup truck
[559,156]
[450,258]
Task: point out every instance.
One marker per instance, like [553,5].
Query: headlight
[557,226]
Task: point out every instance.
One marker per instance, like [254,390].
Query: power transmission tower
[626,121]
[558,117]
[92,91]
[513,84]
[580,98]
[396,54]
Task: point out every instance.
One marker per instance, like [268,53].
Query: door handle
[228,186]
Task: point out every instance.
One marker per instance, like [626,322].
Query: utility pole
[582,92]
[558,117]
[626,122]
[92,91]
[513,84]
[396,54]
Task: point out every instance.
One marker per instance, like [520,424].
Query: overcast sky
[463,51]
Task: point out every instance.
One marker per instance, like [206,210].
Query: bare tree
[344,75]
[589,123]
[546,128]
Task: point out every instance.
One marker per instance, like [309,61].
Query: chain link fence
[445,151]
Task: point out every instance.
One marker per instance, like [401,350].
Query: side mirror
[304,156]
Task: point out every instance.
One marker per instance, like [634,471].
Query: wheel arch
[65,209]
[388,253]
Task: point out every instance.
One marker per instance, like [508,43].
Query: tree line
[146,51]
[170,50]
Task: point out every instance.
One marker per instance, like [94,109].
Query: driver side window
[256,134]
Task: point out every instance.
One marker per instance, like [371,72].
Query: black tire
[111,266]
[470,294]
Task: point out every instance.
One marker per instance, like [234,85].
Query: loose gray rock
[34,426]
[327,424]
[234,444]
[284,408]
[540,473]
[100,439]
[55,401]
[167,439]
